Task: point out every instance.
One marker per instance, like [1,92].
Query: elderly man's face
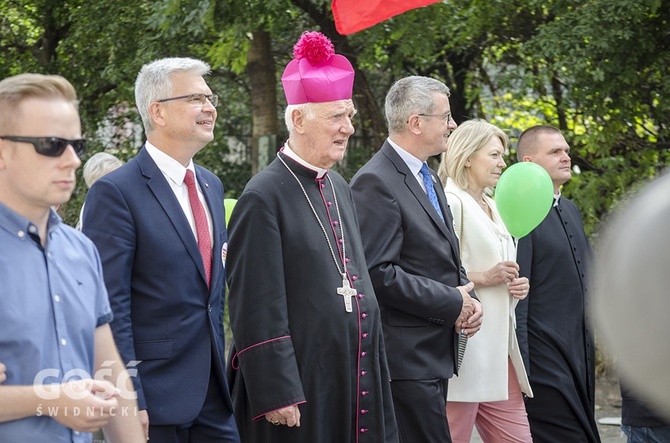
[328,132]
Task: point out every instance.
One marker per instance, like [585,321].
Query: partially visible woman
[98,165]
[488,392]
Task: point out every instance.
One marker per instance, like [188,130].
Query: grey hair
[411,95]
[98,165]
[306,108]
[154,83]
[463,142]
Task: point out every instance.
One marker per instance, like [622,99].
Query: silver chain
[323,229]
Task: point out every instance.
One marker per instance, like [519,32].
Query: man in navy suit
[162,244]
[413,257]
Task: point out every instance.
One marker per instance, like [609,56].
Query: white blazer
[484,243]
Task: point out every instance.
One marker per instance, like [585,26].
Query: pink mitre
[316,74]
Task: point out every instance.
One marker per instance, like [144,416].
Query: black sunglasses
[51,146]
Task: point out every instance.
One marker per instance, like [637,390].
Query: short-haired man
[413,257]
[54,320]
[553,328]
[158,222]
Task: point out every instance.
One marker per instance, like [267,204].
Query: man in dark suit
[158,222]
[413,257]
[553,328]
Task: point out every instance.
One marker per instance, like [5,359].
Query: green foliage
[597,69]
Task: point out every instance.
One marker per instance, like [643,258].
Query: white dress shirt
[413,163]
[174,173]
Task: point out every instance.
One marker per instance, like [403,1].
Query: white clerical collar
[170,167]
[320,172]
[413,163]
[556,198]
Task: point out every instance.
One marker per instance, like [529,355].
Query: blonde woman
[488,392]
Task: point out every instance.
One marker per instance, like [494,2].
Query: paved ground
[608,406]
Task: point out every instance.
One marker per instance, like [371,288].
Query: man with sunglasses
[55,338]
[158,222]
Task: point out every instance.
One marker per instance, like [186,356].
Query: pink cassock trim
[263,415]
[235,357]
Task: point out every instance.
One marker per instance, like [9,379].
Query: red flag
[355,15]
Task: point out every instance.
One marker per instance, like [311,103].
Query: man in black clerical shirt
[553,329]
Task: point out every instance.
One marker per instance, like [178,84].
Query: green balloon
[524,196]
[229,204]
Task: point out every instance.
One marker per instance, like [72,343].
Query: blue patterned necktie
[430,189]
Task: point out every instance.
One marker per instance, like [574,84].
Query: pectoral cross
[346,291]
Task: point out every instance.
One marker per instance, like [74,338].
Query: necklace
[346,291]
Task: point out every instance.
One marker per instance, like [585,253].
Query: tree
[597,69]
[609,61]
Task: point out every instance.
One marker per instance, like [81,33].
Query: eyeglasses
[446,116]
[195,99]
[51,146]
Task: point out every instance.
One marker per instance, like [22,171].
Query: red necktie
[201,225]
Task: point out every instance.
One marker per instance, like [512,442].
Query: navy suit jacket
[414,263]
[165,316]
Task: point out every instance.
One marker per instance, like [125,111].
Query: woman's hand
[502,273]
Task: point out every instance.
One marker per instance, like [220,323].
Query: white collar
[170,167]
[290,153]
[413,163]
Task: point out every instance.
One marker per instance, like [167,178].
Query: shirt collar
[413,163]
[20,226]
[170,167]
[290,153]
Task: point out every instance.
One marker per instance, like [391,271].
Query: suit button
[209,308]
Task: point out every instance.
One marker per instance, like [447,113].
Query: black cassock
[294,342]
[554,330]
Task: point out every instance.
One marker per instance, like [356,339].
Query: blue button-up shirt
[51,301]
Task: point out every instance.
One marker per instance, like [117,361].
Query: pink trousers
[497,421]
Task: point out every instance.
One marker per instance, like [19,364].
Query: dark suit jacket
[164,314]
[414,264]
